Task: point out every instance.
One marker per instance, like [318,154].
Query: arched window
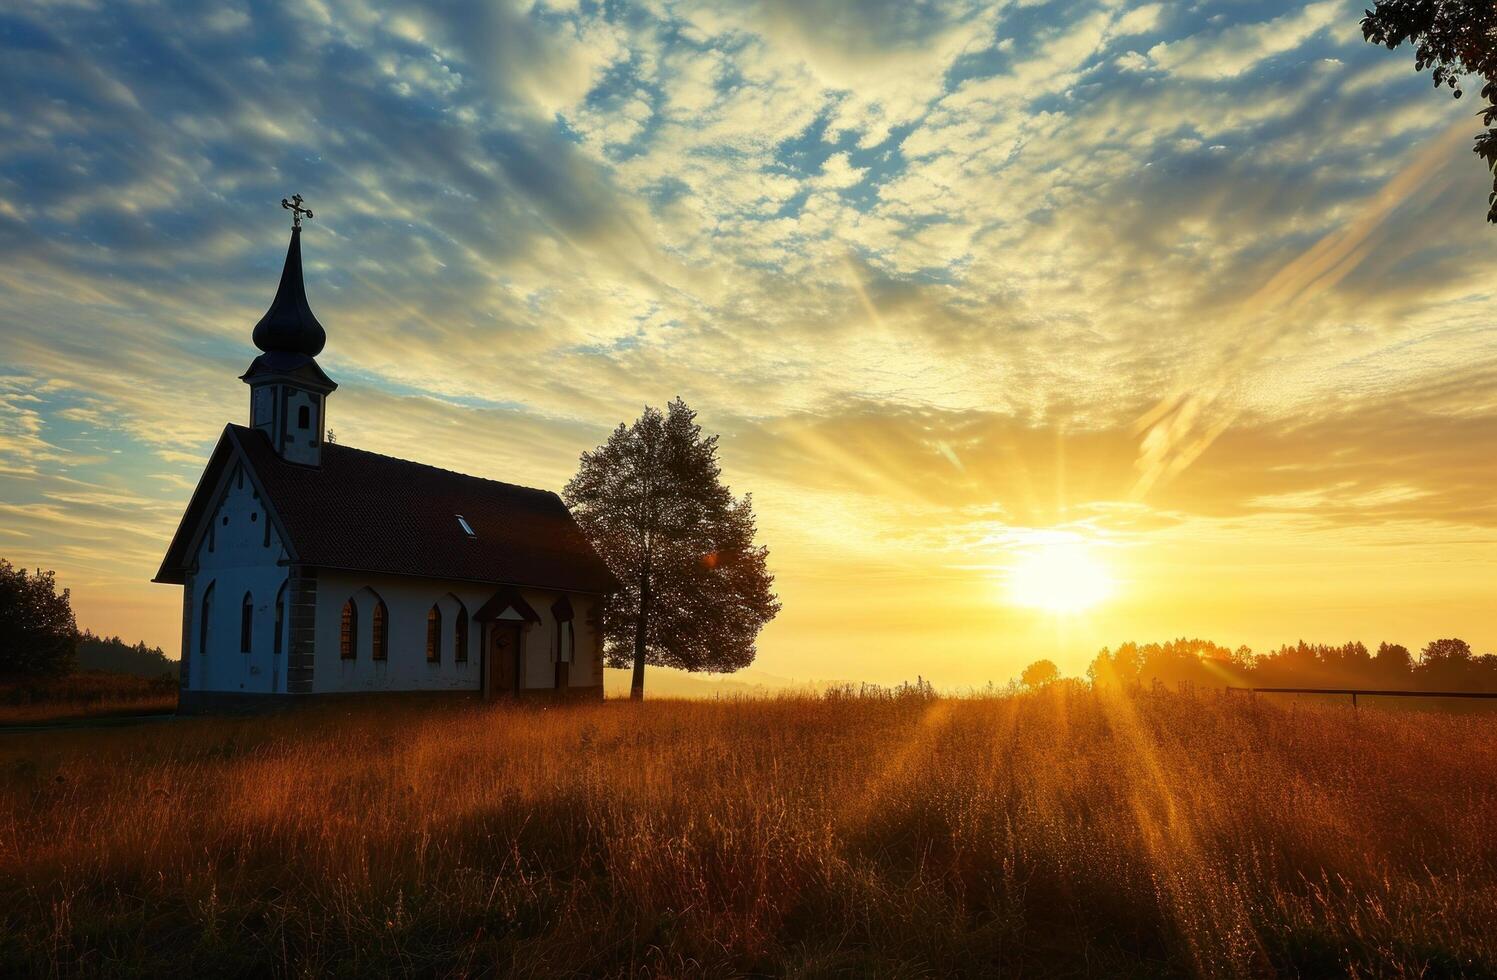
[562,610]
[565,637]
[381,631]
[203,618]
[246,623]
[280,619]
[348,633]
[434,636]
[460,637]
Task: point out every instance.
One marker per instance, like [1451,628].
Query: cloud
[1238,49]
[838,173]
[925,266]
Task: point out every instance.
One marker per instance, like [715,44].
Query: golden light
[1059,575]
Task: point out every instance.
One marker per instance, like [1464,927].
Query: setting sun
[1061,576]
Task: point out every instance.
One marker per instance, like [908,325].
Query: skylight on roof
[467,528]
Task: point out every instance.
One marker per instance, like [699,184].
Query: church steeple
[290,325]
[287,387]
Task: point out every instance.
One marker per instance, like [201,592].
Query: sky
[1181,311]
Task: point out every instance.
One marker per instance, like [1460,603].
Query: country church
[311,568]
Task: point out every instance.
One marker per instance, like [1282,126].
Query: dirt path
[96,721]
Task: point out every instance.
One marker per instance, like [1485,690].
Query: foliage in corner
[38,635]
[1454,38]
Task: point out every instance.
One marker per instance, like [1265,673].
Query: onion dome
[290,326]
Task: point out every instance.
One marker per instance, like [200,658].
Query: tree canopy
[1040,673]
[1452,38]
[695,588]
[38,635]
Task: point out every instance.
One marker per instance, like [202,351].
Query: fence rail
[1356,692]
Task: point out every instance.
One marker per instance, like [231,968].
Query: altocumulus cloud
[951,235]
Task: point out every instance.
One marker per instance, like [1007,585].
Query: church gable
[239,529]
[230,518]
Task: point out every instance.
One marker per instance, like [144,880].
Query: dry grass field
[86,694]
[1050,834]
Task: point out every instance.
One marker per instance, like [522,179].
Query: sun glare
[1060,576]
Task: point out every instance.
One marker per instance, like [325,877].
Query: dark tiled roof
[366,512]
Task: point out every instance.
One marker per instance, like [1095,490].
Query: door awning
[505,599]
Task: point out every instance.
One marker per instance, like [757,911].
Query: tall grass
[85,694]
[1048,834]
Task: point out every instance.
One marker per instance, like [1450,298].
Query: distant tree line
[118,657]
[1441,665]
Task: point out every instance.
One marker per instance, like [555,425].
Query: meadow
[1061,832]
[85,694]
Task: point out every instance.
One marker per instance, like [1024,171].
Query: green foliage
[1452,38]
[695,588]
[38,635]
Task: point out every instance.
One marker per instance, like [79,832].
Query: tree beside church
[695,589]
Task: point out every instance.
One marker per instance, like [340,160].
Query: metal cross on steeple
[294,206]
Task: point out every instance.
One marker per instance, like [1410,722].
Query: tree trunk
[641,624]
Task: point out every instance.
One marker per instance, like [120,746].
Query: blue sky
[946,276]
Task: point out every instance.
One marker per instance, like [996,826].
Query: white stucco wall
[275,409]
[237,557]
[303,443]
[407,601]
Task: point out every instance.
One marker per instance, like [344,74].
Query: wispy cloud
[935,270]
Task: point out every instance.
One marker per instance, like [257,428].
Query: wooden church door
[502,669]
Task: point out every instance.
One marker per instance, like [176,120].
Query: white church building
[311,568]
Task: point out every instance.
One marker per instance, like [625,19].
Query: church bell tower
[288,391]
